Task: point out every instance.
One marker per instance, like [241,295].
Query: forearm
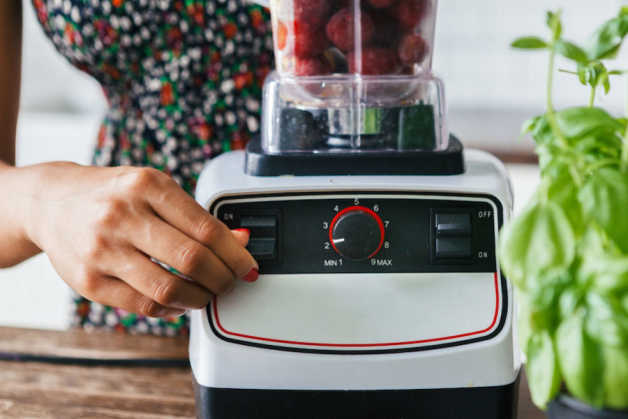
[17,189]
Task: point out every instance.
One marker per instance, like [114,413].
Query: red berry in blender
[375,61]
[412,49]
[381,4]
[308,41]
[312,66]
[409,12]
[341,28]
[312,11]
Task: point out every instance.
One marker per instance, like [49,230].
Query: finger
[159,285]
[168,245]
[178,209]
[242,235]
[116,293]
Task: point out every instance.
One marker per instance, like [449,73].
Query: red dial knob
[357,233]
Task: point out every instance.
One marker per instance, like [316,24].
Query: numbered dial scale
[372,233]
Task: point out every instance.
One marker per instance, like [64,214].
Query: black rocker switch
[453,247]
[453,224]
[262,248]
[263,242]
[453,235]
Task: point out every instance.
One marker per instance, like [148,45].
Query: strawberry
[308,41]
[312,66]
[313,11]
[410,12]
[412,49]
[341,29]
[375,61]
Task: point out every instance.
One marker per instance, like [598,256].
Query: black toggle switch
[263,241]
[262,248]
[453,224]
[453,247]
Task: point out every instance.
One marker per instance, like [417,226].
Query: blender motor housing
[423,328]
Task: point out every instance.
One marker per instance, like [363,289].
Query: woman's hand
[101,226]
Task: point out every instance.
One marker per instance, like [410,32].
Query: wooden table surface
[52,390]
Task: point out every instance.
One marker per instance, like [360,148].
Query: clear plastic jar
[353,75]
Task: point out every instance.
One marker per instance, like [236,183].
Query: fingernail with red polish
[243,230]
[252,276]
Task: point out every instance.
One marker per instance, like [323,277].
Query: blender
[380,294]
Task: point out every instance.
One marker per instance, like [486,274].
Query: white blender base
[239,379]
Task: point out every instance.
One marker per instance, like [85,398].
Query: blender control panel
[367,233]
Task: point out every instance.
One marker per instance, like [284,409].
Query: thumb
[242,235]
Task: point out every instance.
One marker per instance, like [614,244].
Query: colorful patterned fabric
[183,80]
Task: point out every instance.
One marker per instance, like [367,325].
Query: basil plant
[567,253]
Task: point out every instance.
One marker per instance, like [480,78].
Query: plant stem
[624,150]
[592,97]
[550,81]
[551,114]
[553,122]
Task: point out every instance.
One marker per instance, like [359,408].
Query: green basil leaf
[542,369]
[539,241]
[606,82]
[570,300]
[580,359]
[606,321]
[571,51]
[524,318]
[564,192]
[606,41]
[606,273]
[595,73]
[583,74]
[530,125]
[539,129]
[555,24]
[604,199]
[529,42]
[598,145]
[615,373]
[544,296]
[577,122]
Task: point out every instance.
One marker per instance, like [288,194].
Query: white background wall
[490,88]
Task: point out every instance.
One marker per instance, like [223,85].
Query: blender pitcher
[353,76]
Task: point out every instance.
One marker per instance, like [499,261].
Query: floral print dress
[183,81]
